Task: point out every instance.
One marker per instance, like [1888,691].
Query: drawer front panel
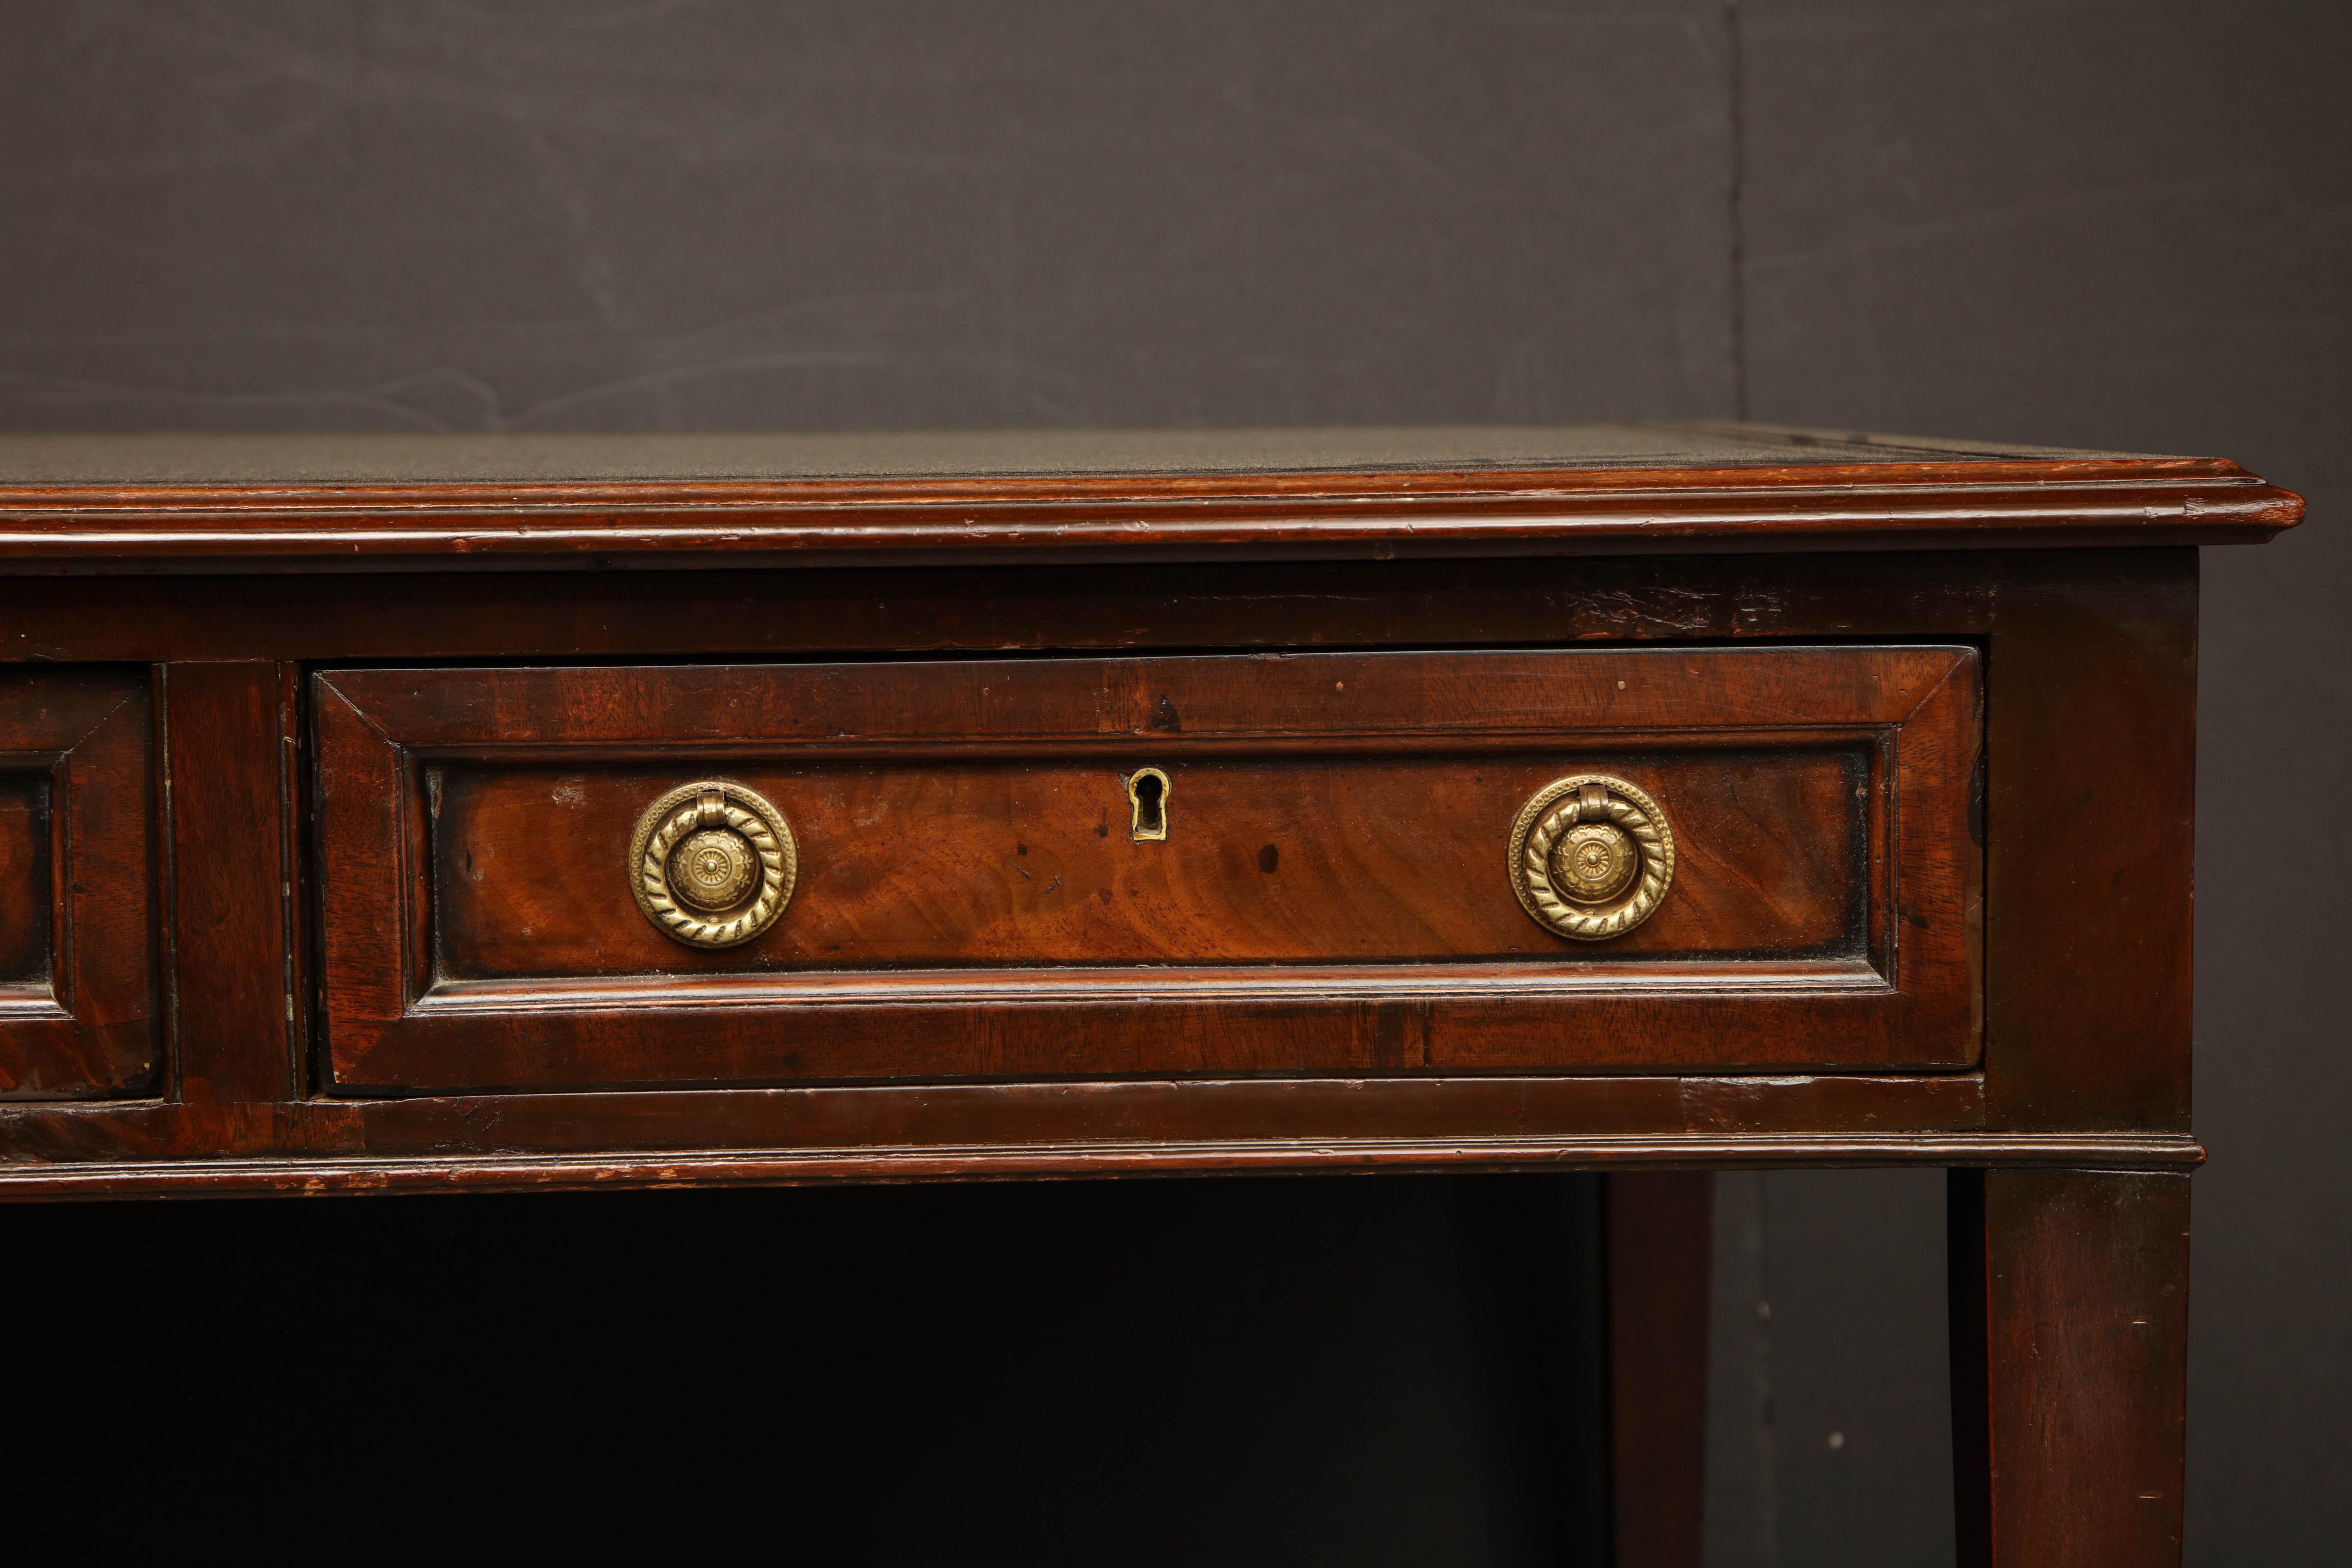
[78,905]
[952,862]
[975,892]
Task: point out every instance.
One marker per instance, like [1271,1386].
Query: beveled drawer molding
[1323,889]
[436,812]
[77,897]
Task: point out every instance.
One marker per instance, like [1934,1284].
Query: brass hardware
[1147,802]
[712,864]
[1591,857]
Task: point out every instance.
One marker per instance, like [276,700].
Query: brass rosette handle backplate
[712,864]
[1591,857]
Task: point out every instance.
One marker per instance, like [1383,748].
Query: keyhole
[1147,796]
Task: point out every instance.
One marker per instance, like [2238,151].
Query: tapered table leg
[2070,1327]
[1660,1237]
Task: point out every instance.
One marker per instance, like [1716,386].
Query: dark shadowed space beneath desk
[1396,1370]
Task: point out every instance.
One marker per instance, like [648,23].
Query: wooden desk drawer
[77,907]
[970,897]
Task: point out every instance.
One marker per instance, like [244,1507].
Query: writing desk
[429,813]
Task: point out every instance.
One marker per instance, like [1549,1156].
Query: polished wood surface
[78,887]
[313,503]
[987,862]
[2070,1336]
[314,763]
[1659,1250]
[1951,597]
[2052,609]
[233,874]
[2090,780]
[2055,605]
[1331,896]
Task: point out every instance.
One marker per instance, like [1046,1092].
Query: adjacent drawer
[78,905]
[1320,864]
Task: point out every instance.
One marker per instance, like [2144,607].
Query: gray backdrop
[2115,223]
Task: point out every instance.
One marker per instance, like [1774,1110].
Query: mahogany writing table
[398,813]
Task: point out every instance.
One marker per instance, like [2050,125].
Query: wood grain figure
[1150,800]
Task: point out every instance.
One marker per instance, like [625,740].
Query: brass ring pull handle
[1591,856]
[712,864]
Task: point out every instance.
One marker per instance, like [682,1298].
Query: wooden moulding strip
[454,526]
[293,1177]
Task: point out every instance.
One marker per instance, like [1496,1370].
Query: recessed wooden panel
[948,861]
[1332,895]
[77,887]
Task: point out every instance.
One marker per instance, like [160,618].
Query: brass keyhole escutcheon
[1147,801]
[712,864]
[1591,856]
